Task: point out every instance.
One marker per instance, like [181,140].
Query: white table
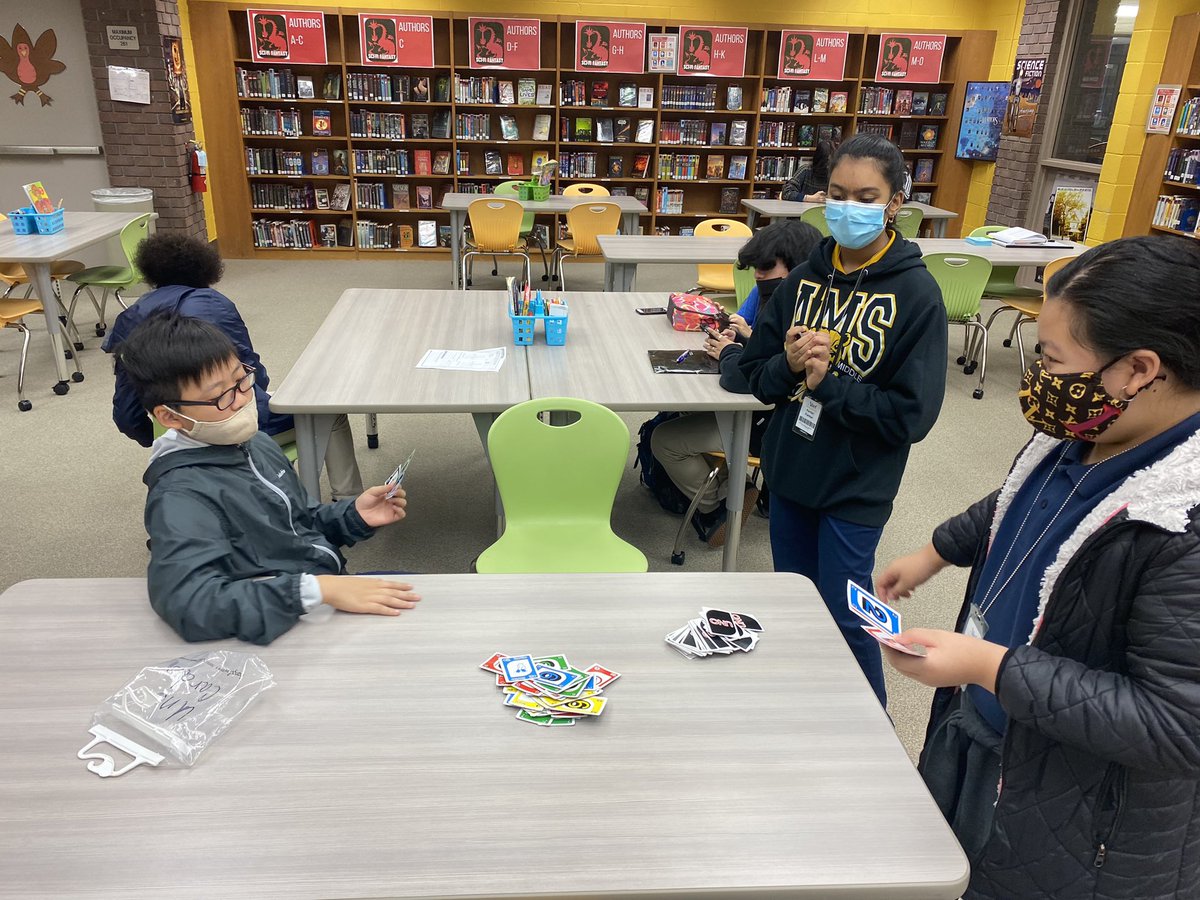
[363,358]
[382,764]
[605,360]
[458,203]
[623,253]
[37,252]
[793,209]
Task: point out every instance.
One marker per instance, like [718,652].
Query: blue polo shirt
[749,308]
[1010,611]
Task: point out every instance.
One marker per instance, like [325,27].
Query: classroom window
[1093,79]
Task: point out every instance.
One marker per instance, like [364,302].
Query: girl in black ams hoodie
[852,350]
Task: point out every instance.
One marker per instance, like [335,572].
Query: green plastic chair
[815,216]
[557,483]
[743,284]
[962,278]
[908,222]
[510,189]
[111,278]
[1003,286]
[287,445]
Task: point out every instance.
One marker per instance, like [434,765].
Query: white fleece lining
[1162,494]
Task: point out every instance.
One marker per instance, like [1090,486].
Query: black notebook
[696,362]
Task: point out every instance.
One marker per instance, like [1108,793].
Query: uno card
[592,706]
[396,479]
[558,661]
[523,701]
[561,720]
[518,668]
[745,622]
[873,610]
[555,679]
[605,676]
[492,664]
[526,716]
[889,641]
[719,623]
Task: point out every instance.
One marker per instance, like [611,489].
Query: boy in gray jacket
[237,549]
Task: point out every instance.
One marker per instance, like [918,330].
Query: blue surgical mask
[853,224]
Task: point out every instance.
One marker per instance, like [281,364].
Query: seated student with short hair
[236,547]
[182,270]
[680,444]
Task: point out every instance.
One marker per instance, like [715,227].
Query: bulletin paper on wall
[127,85]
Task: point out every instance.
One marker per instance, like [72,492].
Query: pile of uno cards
[716,632]
[548,690]
[884,621]
[396,479]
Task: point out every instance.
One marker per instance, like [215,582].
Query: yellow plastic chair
[908,222]
[14,274]
[962,278]
[815,216]
[586,222]
[495,231]
[1029,310]
[111,278]
[718,278]
[557,484]
[1003,286]
[585,189]
[12,315]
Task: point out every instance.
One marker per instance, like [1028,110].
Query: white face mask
[237,429]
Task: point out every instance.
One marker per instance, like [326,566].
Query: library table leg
[751,218]
[939,228]
[455,248]
[483,424]
[39,274]
[735,436]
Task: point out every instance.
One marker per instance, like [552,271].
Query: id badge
[976,625]
[807,418]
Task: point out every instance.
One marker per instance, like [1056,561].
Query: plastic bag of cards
[172,712]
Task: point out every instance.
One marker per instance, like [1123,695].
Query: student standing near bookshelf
[812,181]
[852,350]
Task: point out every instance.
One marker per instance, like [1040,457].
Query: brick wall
[142,144]
[1042,28]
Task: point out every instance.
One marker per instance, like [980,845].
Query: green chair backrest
[908,221]
[743,283]
[509,189]
[1004,278]
[557,483]
[815,216]
[132,236]
[962,278]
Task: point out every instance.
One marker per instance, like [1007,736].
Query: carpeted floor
[74,497]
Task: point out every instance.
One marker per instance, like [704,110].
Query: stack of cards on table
[884,621]
[548,690]
[396,479]
[716,631]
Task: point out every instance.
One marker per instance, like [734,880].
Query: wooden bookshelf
[221,28]
[1155,176]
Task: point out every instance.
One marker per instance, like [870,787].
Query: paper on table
[464,360]
[129,85]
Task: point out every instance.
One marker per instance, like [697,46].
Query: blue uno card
[872,609]
[518,668]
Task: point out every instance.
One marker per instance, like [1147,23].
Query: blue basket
[27,220]
[523,327]
[556,330]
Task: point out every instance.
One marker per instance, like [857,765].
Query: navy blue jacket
[200,303]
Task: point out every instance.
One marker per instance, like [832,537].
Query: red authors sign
[912,58]
[405,41]
[505,43]
[610,47]
[287,35]
[712,51]
[819,55]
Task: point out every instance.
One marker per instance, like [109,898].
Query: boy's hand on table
[374,596]
[376,510]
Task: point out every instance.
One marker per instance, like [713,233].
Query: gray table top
[621,248]
[555,203]
[384,765]
[363,358]
[793,208]
[81,229]
[605,358]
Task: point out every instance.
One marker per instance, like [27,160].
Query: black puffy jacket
[1100,791]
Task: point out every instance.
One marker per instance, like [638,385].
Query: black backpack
[653,475]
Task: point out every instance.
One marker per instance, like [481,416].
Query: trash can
[125,200]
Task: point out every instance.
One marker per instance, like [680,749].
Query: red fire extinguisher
[199,170]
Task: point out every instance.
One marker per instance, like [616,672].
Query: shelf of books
[350,150]
[1170,162]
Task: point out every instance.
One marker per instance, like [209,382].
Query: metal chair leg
[372,431]
[120,299]
[677,552]
[22,404]
[12,285]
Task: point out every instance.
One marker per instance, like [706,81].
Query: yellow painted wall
[1147,49]
[1002,16]
[189,59]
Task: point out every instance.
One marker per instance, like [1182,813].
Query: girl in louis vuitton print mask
[1064,744]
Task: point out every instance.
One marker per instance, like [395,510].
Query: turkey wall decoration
[30,64]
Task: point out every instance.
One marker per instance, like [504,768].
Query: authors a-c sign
[286,35]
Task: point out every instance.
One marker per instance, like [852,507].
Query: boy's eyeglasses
[224,400]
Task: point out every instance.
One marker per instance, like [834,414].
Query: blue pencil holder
[28,220]
[556,330]
[523,328]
